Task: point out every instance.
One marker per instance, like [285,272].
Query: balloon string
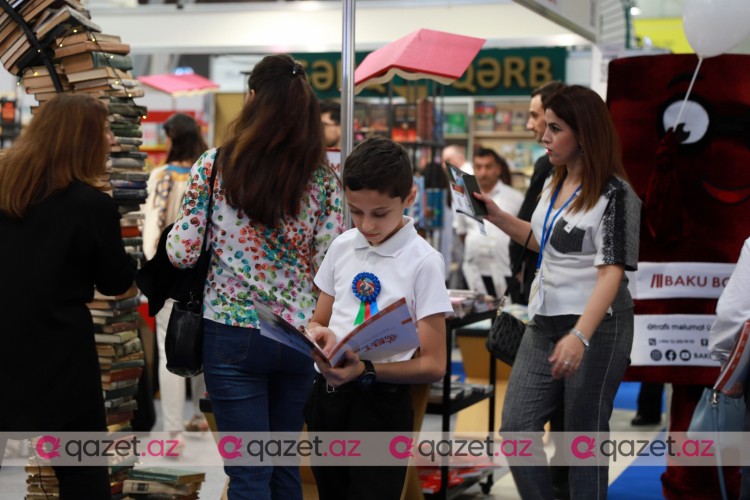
[690,88]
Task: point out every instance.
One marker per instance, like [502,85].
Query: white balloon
[713,27]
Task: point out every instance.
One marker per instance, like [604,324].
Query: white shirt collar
[393,245]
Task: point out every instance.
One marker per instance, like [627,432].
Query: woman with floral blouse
[276,209]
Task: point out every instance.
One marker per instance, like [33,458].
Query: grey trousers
[532,395]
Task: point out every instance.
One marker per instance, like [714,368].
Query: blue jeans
[587,397]
[256,385]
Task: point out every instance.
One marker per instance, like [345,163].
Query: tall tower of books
[54,47]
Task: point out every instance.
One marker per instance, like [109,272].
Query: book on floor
[155,487]
[166,475]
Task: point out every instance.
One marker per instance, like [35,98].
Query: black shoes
[641,420]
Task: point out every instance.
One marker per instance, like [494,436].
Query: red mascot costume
[694,181]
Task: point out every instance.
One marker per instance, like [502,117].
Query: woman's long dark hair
[587,114]
[185,134]
[275,144]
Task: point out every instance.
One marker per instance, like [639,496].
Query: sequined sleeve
[620,226]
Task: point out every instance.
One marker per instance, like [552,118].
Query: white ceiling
[316,26]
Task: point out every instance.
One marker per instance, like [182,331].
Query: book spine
[119,61]
[153,476]
[123,374]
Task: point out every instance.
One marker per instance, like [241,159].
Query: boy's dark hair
[380,164]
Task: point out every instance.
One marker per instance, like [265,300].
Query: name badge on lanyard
[536,292]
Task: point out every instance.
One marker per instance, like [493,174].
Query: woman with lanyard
[577,343]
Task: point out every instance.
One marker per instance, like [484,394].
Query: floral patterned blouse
[250,261]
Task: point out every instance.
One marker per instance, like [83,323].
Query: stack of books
[120,352]
[404,123]
[164,483]
[468,301]
[127,174]
[130,230]
[42,484]
[125,362]
[68,47]
[41,481]
[38,81]
[426,121]
[484,116]
[45,19]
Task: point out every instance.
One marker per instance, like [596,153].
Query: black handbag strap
[516,267]
[198,278]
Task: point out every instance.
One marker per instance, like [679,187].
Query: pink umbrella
[424,53]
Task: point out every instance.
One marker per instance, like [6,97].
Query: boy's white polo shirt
[406,265]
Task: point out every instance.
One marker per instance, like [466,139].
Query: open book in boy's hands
[387,333]
[463,187]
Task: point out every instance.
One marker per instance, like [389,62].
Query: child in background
[384,251]
[166,190]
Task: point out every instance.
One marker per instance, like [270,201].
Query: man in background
[542,169]
[486,264]
[330,116]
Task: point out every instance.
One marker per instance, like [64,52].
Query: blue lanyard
[547,230]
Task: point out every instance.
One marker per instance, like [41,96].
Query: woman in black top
[61,238]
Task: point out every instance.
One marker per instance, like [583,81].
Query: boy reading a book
[380,261]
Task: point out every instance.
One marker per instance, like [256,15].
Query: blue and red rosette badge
[366,287]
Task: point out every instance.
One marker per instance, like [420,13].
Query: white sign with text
[672,340]
[680,280]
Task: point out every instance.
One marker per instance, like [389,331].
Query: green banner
[493,72]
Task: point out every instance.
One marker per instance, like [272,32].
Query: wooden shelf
[502,134]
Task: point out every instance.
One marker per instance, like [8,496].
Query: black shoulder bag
[507,331]
[159,280]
